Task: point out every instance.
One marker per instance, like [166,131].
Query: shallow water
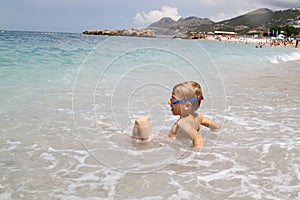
[55,86]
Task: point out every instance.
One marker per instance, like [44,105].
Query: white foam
[223,174]
[47,156]
[50,158]
[14,144]
[276,59]
[5,195]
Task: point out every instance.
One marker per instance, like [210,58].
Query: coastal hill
[185,24]
[261,19]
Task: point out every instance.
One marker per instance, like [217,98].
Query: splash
[276,59]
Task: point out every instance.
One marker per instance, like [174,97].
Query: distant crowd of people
[284,43]
[276,42]
[260,42]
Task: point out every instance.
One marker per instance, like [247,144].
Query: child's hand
[172,133]
[198,141]
[171,136]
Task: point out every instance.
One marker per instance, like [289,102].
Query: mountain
[165,22]
[258,19]
[184,24]
[261,19]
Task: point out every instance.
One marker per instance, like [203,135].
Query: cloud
[144,19]
[282,3]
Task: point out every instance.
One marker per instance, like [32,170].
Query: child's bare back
[185,100]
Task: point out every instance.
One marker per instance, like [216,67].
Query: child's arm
[205,121]
[173,131]
[193,134]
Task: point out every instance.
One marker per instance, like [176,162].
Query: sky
[80,15]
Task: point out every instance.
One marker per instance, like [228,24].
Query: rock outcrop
[131,32]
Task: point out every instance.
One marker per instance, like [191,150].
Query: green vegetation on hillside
[262,20]
[289,30]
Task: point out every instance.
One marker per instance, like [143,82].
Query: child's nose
[170,101]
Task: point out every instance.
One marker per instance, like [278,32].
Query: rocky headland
[131,32]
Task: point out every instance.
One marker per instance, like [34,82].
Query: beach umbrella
[280,37]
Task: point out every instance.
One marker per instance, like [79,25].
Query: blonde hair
[190,89]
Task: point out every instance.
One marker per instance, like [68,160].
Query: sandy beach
[257,42]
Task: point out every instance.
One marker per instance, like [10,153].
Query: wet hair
[189,89]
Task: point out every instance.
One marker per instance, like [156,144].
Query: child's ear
[188,106]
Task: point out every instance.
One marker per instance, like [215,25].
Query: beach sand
[257,42]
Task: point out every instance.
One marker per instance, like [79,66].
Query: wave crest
[284,57]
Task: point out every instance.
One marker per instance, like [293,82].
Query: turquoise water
[55,86]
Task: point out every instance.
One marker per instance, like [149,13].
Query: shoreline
[259,42]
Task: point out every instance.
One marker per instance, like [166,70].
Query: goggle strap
[175,101]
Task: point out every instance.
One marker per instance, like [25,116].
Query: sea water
[55,87]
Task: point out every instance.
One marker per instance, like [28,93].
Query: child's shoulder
[200,117]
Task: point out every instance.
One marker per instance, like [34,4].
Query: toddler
[185,100]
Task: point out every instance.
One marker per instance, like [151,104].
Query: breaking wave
[293,56]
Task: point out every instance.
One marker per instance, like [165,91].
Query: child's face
[175,108]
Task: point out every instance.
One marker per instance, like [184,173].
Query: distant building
[225,33]
[298,22]
[255,33]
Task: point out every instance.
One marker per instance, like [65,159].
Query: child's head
[186,92]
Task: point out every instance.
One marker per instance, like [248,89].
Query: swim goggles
[173,100]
